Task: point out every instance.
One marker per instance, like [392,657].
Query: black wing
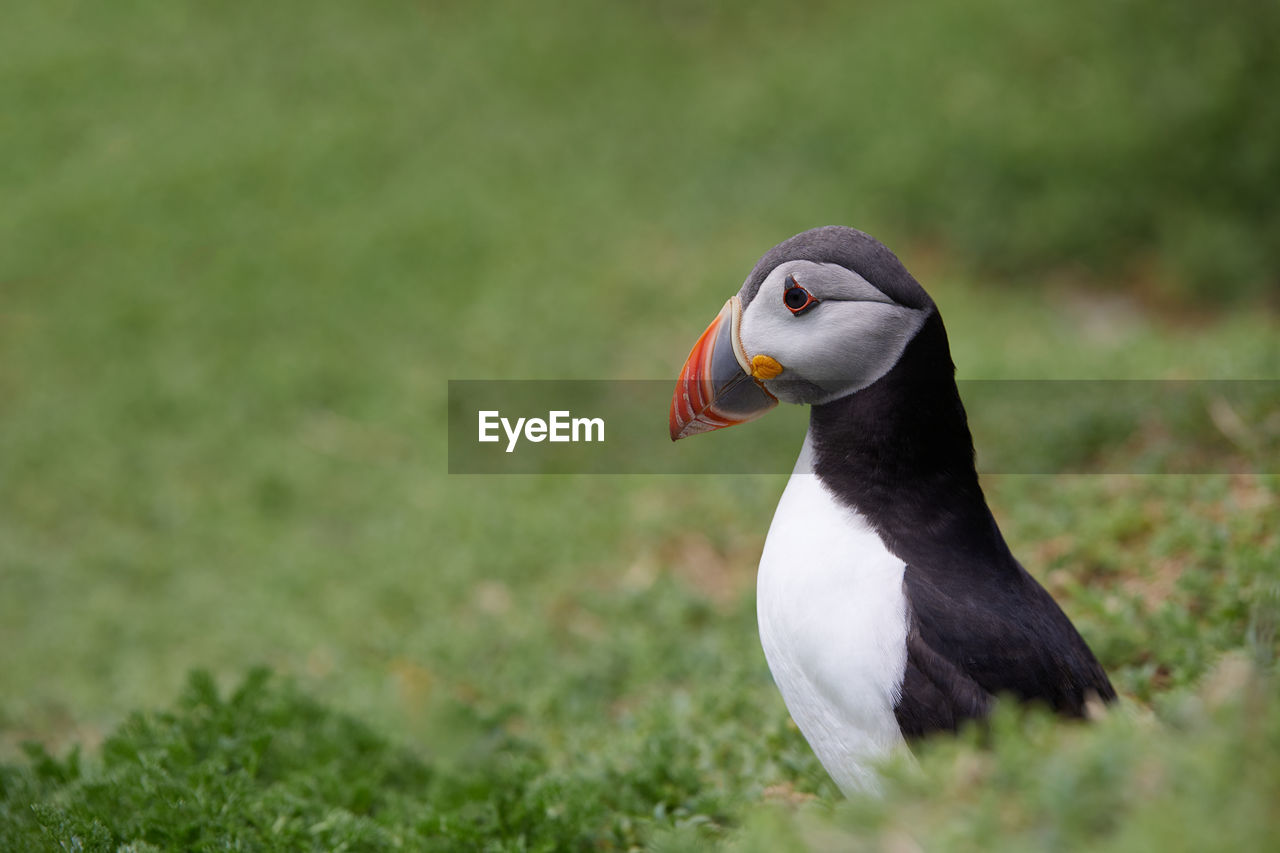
[968,642]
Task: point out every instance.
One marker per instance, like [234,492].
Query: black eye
[796,298]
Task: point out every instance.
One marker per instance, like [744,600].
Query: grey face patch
[850,339]
[825,281]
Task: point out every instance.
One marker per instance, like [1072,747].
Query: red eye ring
[796,298]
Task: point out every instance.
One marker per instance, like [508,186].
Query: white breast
[832,615]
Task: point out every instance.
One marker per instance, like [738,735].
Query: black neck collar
[900,453]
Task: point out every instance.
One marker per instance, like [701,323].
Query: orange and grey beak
[716,388]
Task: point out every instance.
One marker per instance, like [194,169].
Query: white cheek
[769,332]
[859,342]
[840,345]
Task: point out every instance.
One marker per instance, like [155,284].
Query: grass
[247,249]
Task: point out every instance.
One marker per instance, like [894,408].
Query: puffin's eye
[796,298]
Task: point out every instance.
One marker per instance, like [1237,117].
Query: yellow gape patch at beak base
[763,367]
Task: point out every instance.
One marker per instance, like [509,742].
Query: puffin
[889,605]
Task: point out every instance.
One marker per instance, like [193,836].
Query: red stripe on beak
[714,390]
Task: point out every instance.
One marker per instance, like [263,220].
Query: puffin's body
[889,604]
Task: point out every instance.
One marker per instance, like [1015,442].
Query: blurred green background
[246,245]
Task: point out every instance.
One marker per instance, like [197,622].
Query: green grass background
[245,246]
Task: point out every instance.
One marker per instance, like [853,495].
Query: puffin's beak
[715,388]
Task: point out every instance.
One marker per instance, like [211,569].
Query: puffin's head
[822,315]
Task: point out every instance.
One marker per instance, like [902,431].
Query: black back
[900,453]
